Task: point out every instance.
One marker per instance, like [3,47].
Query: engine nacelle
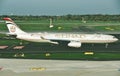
[75,44]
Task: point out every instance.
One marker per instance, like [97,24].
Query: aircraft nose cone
[116,39]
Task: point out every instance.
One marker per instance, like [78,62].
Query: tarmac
[29,67]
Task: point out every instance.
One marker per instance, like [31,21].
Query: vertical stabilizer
[12,27]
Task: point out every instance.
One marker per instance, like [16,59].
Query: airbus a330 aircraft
[75,40]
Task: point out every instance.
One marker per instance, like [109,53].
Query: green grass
[43,25]
[108,28]
[64,56]
[9,42]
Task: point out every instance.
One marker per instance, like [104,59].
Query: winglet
[8,19]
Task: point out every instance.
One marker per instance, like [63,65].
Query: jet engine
[75,44]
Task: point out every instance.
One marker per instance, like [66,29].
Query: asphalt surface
[25,67]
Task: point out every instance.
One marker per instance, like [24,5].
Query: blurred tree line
[97,17]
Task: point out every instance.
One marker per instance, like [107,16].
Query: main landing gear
[106,45]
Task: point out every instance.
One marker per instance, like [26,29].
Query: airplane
[74,39]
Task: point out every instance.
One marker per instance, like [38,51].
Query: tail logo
[12,28]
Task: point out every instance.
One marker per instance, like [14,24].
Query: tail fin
[12,27]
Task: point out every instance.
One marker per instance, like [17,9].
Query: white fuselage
[83,38]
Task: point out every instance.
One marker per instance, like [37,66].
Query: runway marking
[47,54]
[89,53]
[18,47]
[19,55]
[38,69]
[3,47]
[108,28]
